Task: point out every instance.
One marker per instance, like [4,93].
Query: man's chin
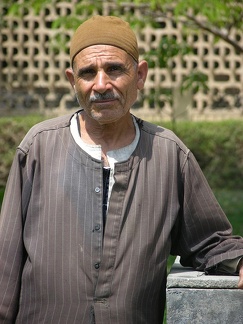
[106,116]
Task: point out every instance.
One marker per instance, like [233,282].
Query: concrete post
[196,298]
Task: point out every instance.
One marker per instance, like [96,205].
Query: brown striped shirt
[55,264]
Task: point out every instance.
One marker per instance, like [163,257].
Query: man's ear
[142,74]
[140,84]
[70,76]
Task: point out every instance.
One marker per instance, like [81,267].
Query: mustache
[104,96]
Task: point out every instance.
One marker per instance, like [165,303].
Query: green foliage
[18,8]
[168,48]
[2,189]
[12,130]
[223,14]
[217,17]
[232,203]
[162,57]
[218,147]
[218,13]
[194,81]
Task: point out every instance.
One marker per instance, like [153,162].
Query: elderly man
[97,201]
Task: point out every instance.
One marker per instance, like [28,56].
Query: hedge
[12,130]
[218,147]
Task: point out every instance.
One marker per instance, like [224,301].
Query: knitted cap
[104,30]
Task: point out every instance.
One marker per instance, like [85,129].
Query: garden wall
[33,63]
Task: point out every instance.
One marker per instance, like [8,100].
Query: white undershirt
[113,156]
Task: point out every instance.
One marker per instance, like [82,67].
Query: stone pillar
[196,298]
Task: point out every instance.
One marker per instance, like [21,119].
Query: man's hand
[240,268]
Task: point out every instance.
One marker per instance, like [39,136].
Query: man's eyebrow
[115,63]
[85,69]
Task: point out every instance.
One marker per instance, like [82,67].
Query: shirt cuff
[230,266]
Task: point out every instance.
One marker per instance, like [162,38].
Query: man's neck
[110,136]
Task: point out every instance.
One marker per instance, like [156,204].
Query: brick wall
[32,74]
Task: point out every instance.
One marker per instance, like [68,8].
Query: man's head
[107,30]
[106,73]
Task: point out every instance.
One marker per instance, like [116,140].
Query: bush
[218,147]
[12,131]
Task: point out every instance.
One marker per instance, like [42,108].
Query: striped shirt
[57,265]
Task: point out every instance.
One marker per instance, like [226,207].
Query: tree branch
[169,14]
[217,32]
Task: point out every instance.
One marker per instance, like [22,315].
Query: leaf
[14,9]
[194,81]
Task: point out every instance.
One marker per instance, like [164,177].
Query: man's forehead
[102,52]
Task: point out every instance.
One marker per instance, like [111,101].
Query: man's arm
[203,235]
[240,269]
[11,244]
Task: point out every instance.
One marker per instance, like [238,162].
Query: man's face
[105,79]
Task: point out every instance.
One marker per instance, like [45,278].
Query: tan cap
[107,30]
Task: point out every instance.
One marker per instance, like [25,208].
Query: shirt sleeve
[203,235]
[12,253]
[230,266]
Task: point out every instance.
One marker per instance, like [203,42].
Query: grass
[232,204]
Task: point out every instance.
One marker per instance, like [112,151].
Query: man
[96,202]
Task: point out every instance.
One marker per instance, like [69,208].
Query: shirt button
[97,227]
[97,189]
[97,265]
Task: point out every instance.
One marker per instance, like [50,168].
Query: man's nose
[102,82]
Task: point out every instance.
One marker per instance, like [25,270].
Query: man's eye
[87,73]
[115,68]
